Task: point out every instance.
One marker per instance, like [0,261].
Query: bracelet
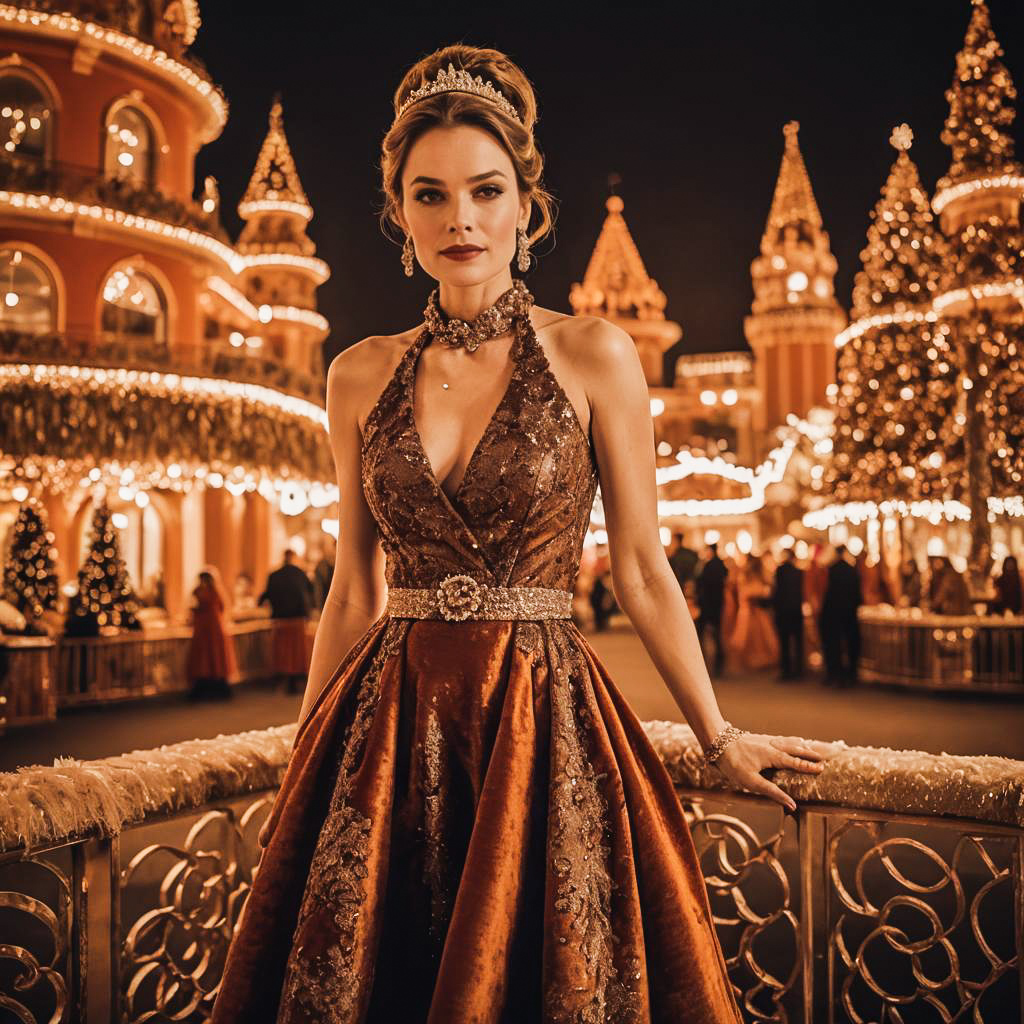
[721,741]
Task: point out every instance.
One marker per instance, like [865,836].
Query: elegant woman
[753,642]
[473,825]
[211,654]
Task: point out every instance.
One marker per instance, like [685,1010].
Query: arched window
[28,297]
[128,148]
[26,115]
[134,307]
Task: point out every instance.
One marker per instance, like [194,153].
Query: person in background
[324,572]
[602,600]
[683,561]
[752,640]
[788,608]
[710,598]
[1008,600]
[910,584]
[950,595]
[210,662]
[290,596]
[840,630]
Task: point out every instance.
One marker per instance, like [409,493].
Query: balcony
[209,359]
[88,185]
[892,894]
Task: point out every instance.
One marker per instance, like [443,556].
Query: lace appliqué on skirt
[579,855]
[319,984]
[435,862]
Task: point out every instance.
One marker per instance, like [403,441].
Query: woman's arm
[644,584]
[357,594]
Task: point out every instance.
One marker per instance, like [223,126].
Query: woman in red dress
[211,655]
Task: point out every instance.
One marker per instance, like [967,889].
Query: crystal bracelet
[721,741]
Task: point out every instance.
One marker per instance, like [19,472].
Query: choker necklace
[493,322]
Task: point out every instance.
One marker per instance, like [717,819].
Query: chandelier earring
[408,256]
[523,251]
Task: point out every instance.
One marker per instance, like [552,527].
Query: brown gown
[473,826]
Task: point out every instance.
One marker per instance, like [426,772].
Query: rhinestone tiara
[450,80]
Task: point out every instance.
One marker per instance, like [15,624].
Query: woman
[753,642]
[1008,589]
[473,825]
[211,656]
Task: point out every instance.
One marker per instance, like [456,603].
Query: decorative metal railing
[894,894]
[908,647]
[209,359]
[43,676]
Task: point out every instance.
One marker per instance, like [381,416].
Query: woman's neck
[469,302]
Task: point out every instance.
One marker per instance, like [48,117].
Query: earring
[408,255]
[523,251]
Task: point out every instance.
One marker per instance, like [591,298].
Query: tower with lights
[281,274]
[155,363]
[794,318]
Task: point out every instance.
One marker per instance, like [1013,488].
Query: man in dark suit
[840,630]
[290,596]
[683,561]
[788,606]
[710,599]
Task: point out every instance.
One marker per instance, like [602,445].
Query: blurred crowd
[789,614]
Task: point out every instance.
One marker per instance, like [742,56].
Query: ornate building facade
[143,353]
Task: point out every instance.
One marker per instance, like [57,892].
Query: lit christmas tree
[30,575]
[980,106]
[895,433]
[105,595]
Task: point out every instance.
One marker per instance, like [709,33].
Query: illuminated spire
[616,283]
[275,184]
[793,203]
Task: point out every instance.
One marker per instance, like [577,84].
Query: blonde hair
[455,108]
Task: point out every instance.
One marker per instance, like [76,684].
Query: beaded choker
[493,322]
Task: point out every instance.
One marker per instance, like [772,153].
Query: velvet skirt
[474,827]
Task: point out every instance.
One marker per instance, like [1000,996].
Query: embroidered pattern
[320,983]
[435,859]
[579,856]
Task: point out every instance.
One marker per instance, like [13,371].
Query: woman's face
[459,189]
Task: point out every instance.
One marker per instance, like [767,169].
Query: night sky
[686,102]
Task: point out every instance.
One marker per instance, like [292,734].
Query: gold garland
[92,424]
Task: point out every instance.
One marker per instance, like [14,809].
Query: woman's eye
[492,192]
[492,188]
[426,192]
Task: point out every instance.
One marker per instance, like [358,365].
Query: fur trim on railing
[42,805]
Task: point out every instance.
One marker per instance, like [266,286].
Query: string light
[188,78]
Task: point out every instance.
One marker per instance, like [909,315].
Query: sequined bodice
[519,516]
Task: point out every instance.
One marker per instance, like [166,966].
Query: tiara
[451,80]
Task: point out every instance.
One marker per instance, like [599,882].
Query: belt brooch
[459,596]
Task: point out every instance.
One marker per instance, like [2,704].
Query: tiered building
[795,317]
[143,353]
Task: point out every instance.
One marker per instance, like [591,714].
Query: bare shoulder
[358,373]
[593,346]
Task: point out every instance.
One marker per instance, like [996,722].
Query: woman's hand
[747,756]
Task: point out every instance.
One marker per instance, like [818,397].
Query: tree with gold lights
[105,596]
[897,374]
[980,105]
[30,575]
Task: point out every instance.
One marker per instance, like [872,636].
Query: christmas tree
[895,433]
[980,106]
[30,576]
[105,596]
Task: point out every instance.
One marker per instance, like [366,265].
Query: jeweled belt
[459,597]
